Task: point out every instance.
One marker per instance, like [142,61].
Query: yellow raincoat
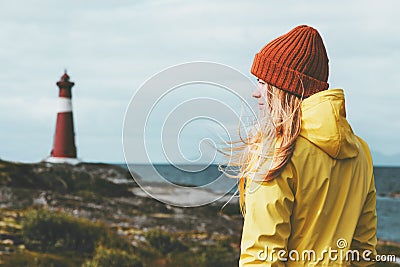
[321,210]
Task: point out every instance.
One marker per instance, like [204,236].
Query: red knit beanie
[294,60]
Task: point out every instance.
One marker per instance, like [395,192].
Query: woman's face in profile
[260,93]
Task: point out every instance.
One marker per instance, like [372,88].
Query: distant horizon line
[159,163]
[165,163]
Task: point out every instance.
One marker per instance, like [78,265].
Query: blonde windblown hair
[270,141]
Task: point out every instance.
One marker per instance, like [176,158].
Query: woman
[307,186]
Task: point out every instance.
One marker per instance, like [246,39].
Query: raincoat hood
[324,124]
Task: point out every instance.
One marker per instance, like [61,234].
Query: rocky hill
[94,214]
[106,193]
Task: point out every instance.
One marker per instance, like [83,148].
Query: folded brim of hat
[285,78]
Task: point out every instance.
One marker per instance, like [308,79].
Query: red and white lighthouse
[64,149]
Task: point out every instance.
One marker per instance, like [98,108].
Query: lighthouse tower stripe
[64,105]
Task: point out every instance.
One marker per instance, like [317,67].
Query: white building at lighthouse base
[71,161]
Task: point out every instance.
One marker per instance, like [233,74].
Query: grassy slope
[190,237]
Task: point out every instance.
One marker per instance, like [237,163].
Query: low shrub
[34,259]
[47,231]
[164,242]
[105,257]
[220,254]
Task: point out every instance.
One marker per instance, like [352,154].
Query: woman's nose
[256,94]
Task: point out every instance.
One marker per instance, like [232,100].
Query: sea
[387,182]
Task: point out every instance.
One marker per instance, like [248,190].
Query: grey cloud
[110,49]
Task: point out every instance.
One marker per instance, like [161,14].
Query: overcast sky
[111,47]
